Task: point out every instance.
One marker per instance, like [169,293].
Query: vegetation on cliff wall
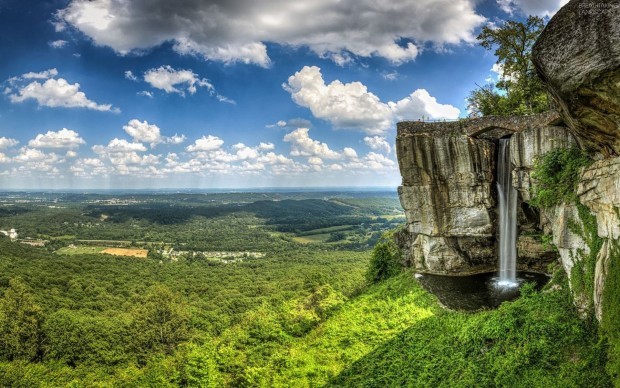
[611,314]
[556,175]
[582,274]
[555,178]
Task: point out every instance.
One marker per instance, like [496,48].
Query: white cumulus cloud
[206,143]
[349,153]
[352,106]
[118,145]
[143,132]
[168,79]
[65,138]
[421,104]
[6,142]
[378,143]
[54,92]
[236,30]
[303,145]
[178,81]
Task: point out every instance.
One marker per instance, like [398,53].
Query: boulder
[578,57]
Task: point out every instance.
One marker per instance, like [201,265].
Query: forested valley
[299,289]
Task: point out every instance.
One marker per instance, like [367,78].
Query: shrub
[556,175]
[385,260]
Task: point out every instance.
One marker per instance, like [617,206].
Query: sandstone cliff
[449,173]
[449,193]
[578,57]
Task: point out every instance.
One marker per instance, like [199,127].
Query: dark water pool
[476,292]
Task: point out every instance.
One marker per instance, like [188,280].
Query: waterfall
[507,216]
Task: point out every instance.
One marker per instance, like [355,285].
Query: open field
[142,253]
[80,250]
[315,238]
[330,229]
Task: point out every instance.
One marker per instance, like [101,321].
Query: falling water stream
[507,217]
[487,290]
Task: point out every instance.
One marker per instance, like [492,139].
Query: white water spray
[507,217]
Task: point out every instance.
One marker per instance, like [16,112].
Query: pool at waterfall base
[476,292]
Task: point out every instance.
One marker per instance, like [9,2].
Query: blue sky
[230,93]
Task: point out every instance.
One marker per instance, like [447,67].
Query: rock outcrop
[578,57]
[530,144]
[446,194]
[449,191]
[599,190]
[449,176]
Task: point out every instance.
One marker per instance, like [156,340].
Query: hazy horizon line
[212,189]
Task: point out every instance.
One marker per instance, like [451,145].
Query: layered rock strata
[578,57]
[449,191]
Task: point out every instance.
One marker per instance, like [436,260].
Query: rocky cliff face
[532,143]
[449,176]
[446,194]
[578,57]
[599,190]
[449,191]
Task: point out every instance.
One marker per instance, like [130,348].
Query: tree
[385,260]
[519,89]
[160,322]
[20,323]
[201,369]
[75,337]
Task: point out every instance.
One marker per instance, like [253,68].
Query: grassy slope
[395,335]
[354,331]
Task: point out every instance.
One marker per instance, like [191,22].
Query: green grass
[536,341]
[354,331]
[326,230]
[80,250]
[315,238]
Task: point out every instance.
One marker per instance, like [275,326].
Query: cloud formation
[206,143]
[378,143]
[65,138]
[531,7]
[6,142]
[171,80]
[58,44]
[303,145]
[352,106]
[237,30]
[54,92]
[143,132]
